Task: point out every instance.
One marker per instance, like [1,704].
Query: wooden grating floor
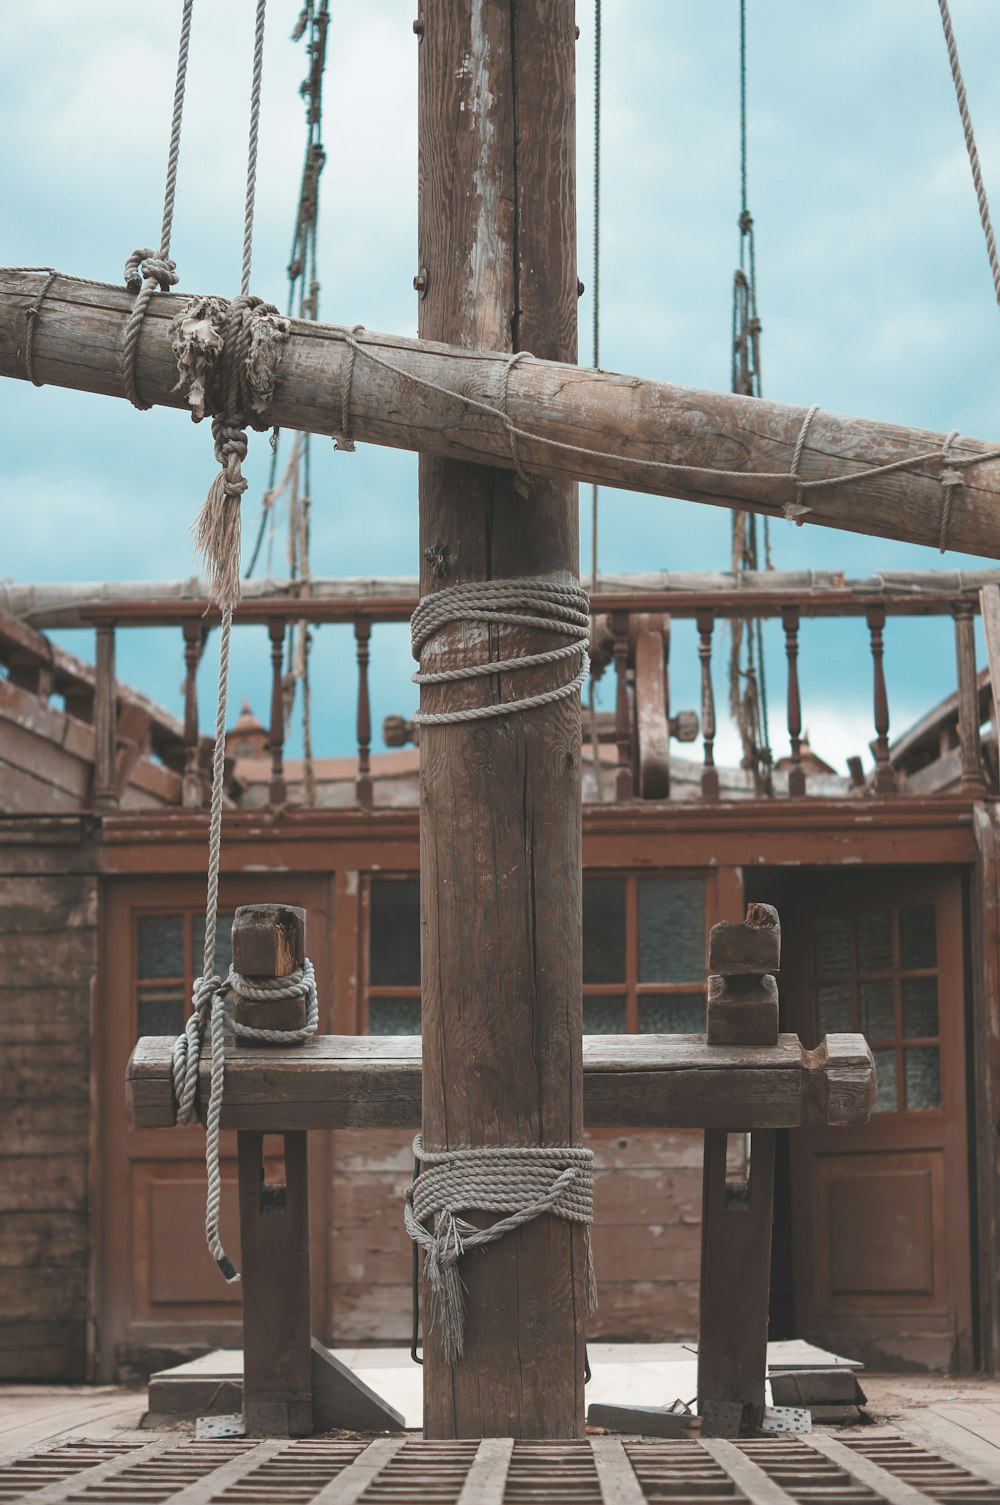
[872,1467]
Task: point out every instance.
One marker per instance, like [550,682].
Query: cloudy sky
[873,283]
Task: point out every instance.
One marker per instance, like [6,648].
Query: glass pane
[394,1016]
[920,1007]
[672,930]
[832,939]
[161,1011]
[833,1007]
[922,1069]
[394,943]
[672,1014]
[874,933]
[161,945]
[878,1019]
[885,1076]
[604,1016]
[603,930]
[918,937]
[223,944]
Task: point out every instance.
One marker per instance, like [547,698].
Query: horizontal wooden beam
[621,431]
[816,593]
[630,1081]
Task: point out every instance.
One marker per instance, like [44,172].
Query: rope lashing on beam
[522,1181]
[344,439]
[528,602]
[668,469]
[208,1016]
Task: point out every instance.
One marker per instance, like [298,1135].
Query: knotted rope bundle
[227,355]
[530,602]
[522,1181]
[208,1016]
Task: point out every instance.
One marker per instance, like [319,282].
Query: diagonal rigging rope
[970,144]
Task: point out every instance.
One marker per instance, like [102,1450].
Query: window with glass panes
[876,972]
[169,951]
[643,955]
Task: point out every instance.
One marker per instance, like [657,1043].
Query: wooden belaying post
[500,822]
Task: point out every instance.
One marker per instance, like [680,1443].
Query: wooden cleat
[752,948]
[742,1010]
[269,940]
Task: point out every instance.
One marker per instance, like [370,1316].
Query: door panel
[160,1291]
[880,1213]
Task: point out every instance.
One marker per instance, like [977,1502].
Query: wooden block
[752,947]
[742,1015]
[269,940]
[813,1387]
[647,1421]
[343,1402]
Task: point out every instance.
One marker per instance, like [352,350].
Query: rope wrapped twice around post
[523,1181]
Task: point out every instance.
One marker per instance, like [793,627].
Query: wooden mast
[626,420]
[500,799]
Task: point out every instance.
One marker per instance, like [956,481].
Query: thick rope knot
[227,356]
[522,1181]
[149,264]
[298,984]
[529,602]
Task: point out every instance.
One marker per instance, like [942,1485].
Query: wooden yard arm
[630,1081]
[631,427]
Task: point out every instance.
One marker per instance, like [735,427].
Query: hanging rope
[970,145]
[747,680]
[595,745]
[145,270]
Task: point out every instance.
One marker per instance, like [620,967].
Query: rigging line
[970,144]
[595,489]
[173,155]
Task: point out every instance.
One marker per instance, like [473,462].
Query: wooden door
[160,1293]
[880,1213]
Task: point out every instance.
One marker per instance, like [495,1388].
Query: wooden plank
[676,1081]
[350,1484]
[211,1485]
[58,1491]
[77,344]
[954,1438]
[756,1487]
[486,1481]
[863,1471]
[619,1485]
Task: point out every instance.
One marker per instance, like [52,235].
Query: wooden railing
[954,727]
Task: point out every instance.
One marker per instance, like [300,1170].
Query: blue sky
[873,283]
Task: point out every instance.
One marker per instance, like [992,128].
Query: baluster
[105,721]
[277,793]
[363,783]
[885,776]
[709,773]
[968,699]
[192,788]
[796,774]
[623,773]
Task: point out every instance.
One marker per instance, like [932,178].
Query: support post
[274,1248]
[363,783]
[796,774]
[500,798]
[624,783]
[709,772]
[973,781]
[885,774]
[192,787]
[105,721]
[277,792]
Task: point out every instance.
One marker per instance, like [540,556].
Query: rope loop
[525,602]
[523,1181]
[147,263]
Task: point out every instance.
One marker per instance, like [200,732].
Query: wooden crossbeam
[624,422]
[666,1081]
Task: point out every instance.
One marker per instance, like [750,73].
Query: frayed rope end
[218,538]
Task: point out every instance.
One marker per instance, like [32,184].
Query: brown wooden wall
[48,956]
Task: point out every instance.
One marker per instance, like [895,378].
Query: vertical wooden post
[796,774]
[989,605]
[500,798]
[363,782]
[624,781]
[192,788]
[274,1250]
[105,721]
[968,699]
[709,773]
[277,792]
[885,776]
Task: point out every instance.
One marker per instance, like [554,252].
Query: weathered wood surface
[626,419]
[669,1081]
[500,823]
[269,941]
